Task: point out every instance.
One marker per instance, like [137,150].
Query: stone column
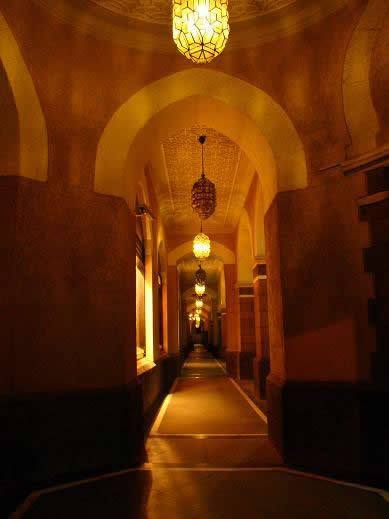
[231,325]
[321,409]
[261,363]
[247,342]
[216,324]
[172,310]
[223,333]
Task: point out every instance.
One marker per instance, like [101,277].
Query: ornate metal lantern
[201,246]
[203,191]
[200,28]
[200,276]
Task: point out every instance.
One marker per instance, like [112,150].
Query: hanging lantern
[203,191]
[199,303]
[200,28]
[200,289]
[200,275]
[201,246]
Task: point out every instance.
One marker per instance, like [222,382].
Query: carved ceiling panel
[223,163]
[159,11]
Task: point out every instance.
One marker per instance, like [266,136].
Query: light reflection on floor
[204,477]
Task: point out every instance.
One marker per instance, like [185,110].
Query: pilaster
[261,363]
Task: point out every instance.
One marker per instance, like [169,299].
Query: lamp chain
[202,160]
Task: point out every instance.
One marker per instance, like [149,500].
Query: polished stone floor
[208,457]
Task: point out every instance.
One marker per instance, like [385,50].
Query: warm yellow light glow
[201,246]
[198,312]
[200,28]
[149,313]
[199,289]
[199,303]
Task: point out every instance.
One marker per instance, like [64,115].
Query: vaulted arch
[33,154]
[362,123]
[271,141]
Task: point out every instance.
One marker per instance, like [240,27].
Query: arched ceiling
[180,166]
[246,114]
[144,24]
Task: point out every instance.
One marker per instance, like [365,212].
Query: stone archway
[271,141]
[33,150]
[362,124]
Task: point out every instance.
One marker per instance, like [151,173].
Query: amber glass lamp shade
[201,246]
[200,28]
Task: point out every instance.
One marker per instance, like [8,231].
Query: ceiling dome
[146,24]
[160,11]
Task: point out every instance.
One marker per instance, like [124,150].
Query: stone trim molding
[366,162]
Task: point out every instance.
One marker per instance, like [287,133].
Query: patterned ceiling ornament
[200,28]
[203,191]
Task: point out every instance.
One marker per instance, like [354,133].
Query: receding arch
[285,167]
[33,154]
[362,123]
[219,251]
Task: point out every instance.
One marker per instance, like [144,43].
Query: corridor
[208,456]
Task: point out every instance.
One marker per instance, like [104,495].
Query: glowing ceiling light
[203,191]
[199,303]
[201,246]
[199,289]
[200,28]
